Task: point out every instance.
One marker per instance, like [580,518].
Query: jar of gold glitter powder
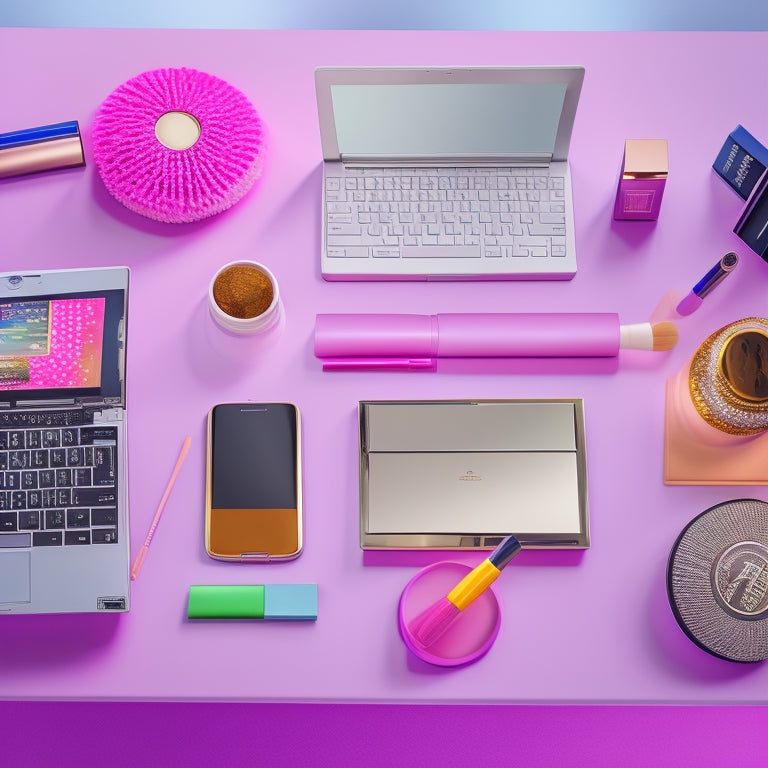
[728,378]
[244,298]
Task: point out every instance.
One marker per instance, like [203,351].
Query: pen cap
[375,335]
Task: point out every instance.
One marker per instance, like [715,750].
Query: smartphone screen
[253,488]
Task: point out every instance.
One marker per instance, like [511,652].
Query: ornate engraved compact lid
[717,580]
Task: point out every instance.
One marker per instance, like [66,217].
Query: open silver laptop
[64,543]
[447,173]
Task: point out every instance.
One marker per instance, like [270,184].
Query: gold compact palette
[464,474]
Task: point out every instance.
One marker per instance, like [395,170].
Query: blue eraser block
[741,161]
[288,602]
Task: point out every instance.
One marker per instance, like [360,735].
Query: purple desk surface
[591,627]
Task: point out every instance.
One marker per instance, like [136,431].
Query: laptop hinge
[109,414]
[63,402]
[431,161]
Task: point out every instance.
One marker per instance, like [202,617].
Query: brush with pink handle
[430,625]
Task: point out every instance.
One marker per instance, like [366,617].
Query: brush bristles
[433,623]
[665,336]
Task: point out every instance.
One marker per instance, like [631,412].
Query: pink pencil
[143,551]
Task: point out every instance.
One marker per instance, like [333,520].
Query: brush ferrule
[473,584]
[636,336]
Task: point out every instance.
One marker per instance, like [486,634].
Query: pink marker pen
[707,284]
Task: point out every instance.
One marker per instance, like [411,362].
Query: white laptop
[64,543]
[447,173]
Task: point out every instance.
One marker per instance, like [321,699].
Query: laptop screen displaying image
[52,343]
[64,533]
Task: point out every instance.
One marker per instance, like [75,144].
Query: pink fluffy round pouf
[177,185]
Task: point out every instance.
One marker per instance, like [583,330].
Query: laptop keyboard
[58,486]
[491,213]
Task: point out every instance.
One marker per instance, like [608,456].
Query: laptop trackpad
[15,577]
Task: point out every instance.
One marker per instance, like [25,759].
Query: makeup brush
[430,625]
[387,341]
[655,337]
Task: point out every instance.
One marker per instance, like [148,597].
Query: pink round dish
[472,633]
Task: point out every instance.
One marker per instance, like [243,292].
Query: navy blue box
[741,161]
[752,226]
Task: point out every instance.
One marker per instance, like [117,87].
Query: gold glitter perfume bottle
[728,378]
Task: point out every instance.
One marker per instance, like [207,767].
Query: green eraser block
[226,602]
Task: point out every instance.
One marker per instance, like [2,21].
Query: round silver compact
[717,580]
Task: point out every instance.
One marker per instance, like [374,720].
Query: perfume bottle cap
[744,364]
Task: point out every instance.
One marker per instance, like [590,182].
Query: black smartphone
[253,509]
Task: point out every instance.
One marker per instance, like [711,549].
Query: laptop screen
[455,119]
[509,114]
[61,345]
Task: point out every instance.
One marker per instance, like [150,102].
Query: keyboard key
[104,536]
[8,522]
[83,477]
[54,518]
[104,472]
[29,520]
[51,438]
[18,459]
[39,459]
[349,252]
[47,538]
[8,540]
[92,497]
[78,518]
[104,516]
[77,537]
[441,252]
[10,481]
